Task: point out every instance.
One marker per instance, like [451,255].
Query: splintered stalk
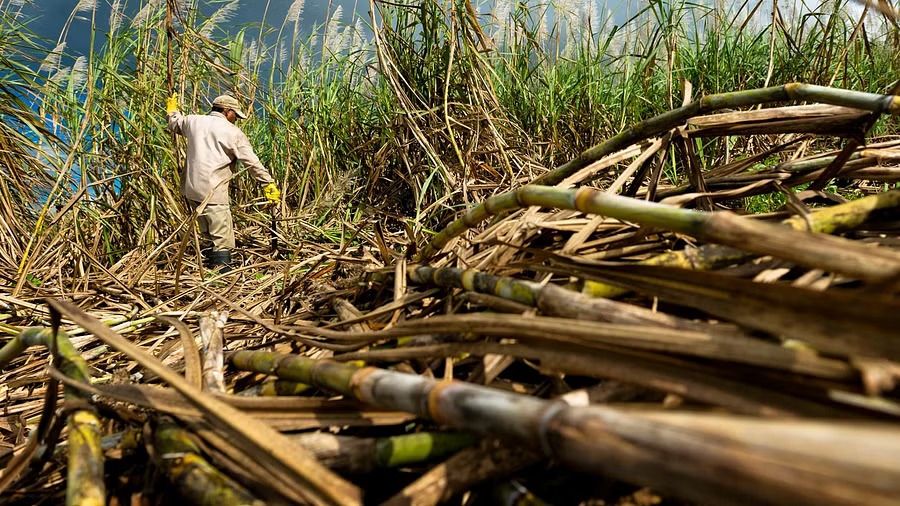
[754,460]
[886,104]
[84,485]
[830,220]
[814,250]
[357,455]
[196,479]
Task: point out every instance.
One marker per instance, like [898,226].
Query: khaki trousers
[215,226]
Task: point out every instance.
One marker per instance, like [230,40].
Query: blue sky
[47,17]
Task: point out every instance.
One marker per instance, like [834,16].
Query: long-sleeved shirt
[214,147]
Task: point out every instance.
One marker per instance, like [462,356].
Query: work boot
[220,260]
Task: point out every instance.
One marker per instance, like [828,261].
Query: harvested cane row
[612,324]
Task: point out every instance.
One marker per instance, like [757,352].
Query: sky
[47,17]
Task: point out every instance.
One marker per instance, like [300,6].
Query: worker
[214,146]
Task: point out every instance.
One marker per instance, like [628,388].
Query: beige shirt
[213,150]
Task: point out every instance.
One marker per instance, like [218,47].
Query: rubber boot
[205,252]
[220,260]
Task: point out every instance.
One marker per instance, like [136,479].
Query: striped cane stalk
[358,455]
[554,300]
[698,456]
[888,104]
[84,485]
[814,250]
[196,479]
[275,388]
[830,220]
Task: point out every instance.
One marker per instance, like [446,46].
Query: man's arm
[244,152]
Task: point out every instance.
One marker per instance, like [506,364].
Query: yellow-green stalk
[196,479]
[805,248]
[84,486]
[710,256]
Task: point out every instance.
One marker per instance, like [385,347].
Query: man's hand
[272,193]
[172,103]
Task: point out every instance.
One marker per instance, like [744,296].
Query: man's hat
[229,102]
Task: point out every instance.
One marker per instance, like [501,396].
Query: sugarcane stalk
[699,456]
[491,459]
[554,300]
[886,104]
[814,250]
[357,455]
[84,485]
[830,220]
[591,336]
[276,388]
[196,479]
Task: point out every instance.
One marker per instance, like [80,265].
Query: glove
[272,193]
[172,103]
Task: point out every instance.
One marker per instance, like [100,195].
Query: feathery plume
[115,16]
[252,54]
[591,16]
[295,11]
[334,36]
[85,6]
[500,13]
[79,71]
[147,12]
[52,59]
[223,15]
[358,41]
[60,75]
[281,54]
[542,32]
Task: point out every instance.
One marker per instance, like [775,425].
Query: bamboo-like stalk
[277,388]
[699,456]
[84,486]
[814,250]
[554,300]
[357,455]
[830,220]
[196,479]
[596,337]
[886,104]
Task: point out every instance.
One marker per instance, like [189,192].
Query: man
[214,147]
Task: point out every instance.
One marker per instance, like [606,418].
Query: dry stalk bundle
[888,104]
[804,248]
[85,486]
[830,220]
[197,480]
[752,458]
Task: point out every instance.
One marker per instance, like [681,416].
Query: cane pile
[600,336]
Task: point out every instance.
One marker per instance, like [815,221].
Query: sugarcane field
[465,252]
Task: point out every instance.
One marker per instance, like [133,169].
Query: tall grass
[396,128]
